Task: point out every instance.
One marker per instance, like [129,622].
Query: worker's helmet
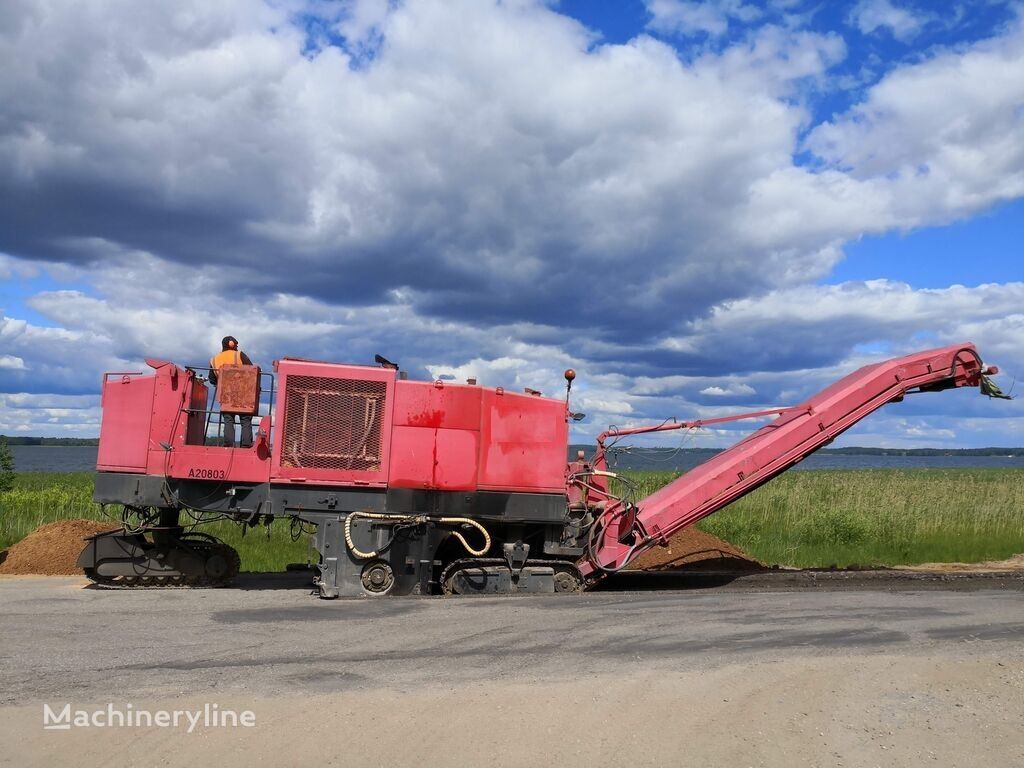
[229,342]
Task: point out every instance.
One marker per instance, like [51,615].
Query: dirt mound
[51,549]
[691,549]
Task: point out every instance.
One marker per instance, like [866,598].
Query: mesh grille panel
[333,423]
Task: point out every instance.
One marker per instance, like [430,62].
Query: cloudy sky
[702,207]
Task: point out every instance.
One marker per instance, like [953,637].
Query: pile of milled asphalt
[694,550]
[51,549]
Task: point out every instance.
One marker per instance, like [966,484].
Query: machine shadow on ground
[624,582]
[769,580]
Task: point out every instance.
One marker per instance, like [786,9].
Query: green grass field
[43,497]
[803,519]
[873,517]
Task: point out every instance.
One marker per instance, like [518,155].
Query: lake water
[33,458]
[54,458]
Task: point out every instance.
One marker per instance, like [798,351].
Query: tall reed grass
[873,517]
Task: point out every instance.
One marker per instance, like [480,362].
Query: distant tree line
[50,440]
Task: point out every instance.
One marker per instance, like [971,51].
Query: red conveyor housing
[622,534]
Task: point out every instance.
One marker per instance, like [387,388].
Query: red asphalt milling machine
[428,487]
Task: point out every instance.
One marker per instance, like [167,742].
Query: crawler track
[223,564]
[567,575]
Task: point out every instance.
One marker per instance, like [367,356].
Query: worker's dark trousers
[245,420]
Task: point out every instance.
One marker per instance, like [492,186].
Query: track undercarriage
[478,576]
[361,554]
[156,551]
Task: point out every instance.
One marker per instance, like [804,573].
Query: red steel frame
[796,432]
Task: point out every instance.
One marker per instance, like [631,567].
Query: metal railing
[213,416]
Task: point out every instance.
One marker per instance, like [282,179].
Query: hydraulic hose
[462,539]
[356,552]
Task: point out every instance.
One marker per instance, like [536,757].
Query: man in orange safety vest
[230,354]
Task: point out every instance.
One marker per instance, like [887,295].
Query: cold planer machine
[420,487]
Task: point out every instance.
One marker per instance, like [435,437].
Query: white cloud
[733,389]
[940,138]
[871,15]
[709,16]
[12,268]
[34,414]
[807,324]
[12,362]
[363,18]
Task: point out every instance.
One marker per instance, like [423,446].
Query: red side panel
[197,462]
[124,431]
[437,404]
[523,442]
[436,437]
[412,457]
[456,466]
[333,423]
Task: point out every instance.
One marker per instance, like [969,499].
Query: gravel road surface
[792,677]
